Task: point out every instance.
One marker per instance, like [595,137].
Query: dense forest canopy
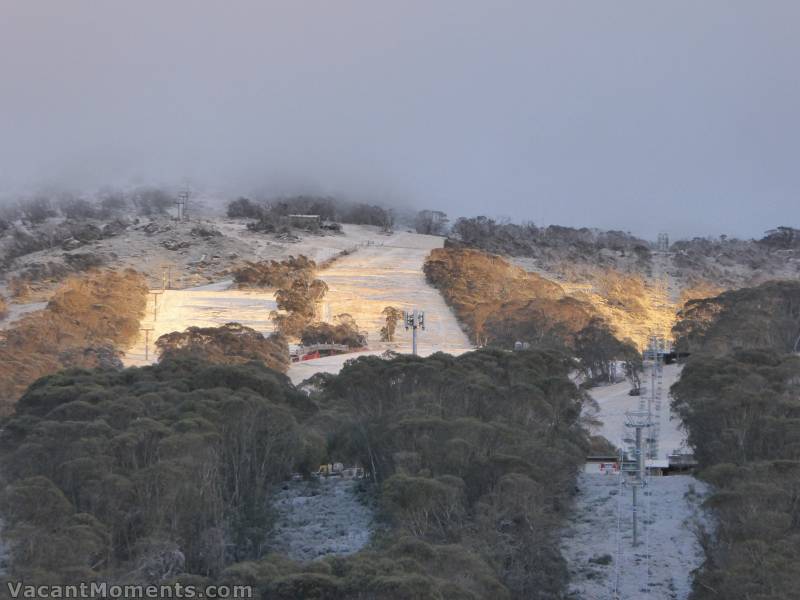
[163,473]
[146,473]
[766,316]
[742,413]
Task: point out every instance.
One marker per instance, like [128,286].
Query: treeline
[739,399]
[85,322]
[271,214]
[500,304]
[548,243]
[163,474]
[106,204]
[742,414]
[766,316]
[733,262]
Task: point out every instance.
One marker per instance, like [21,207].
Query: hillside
[636,287]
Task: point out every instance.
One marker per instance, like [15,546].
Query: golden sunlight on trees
[87,318]
[393,316]
[229,344]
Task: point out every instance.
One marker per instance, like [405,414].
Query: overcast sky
[682,116]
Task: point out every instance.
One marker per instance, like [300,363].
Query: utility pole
[155,303]
[166,277]
[414,320]
[146,342]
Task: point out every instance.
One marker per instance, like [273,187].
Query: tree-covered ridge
[742,412]
[550,244]
[766,316]
[164,473]
[88,318]
[501,304]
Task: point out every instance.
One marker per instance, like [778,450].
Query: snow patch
[597,540]
[321,517]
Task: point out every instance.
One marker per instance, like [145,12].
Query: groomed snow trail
[386,273]
[175,310]
[384,270]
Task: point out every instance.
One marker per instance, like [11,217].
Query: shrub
[344,331]
[37,210]
[79,208]
[230,344]
[277,274]
[152,201]
[244,208]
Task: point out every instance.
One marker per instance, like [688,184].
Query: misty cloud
[647,116]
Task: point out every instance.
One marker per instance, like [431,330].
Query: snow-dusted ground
[317,518]
[382,271]
[614,402]
[17,311]
[597,541]
[175,310]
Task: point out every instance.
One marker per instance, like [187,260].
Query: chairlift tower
[414,321]
[638,420]
[654,355]
[182,202]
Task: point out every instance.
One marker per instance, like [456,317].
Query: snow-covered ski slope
[384,270]
[613,402]
[387,273]
[598,539]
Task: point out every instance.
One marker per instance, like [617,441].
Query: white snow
[601,524]
[175,310]
[614,402]
[660,568]
[388,273]
[317,518]
[384,270]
